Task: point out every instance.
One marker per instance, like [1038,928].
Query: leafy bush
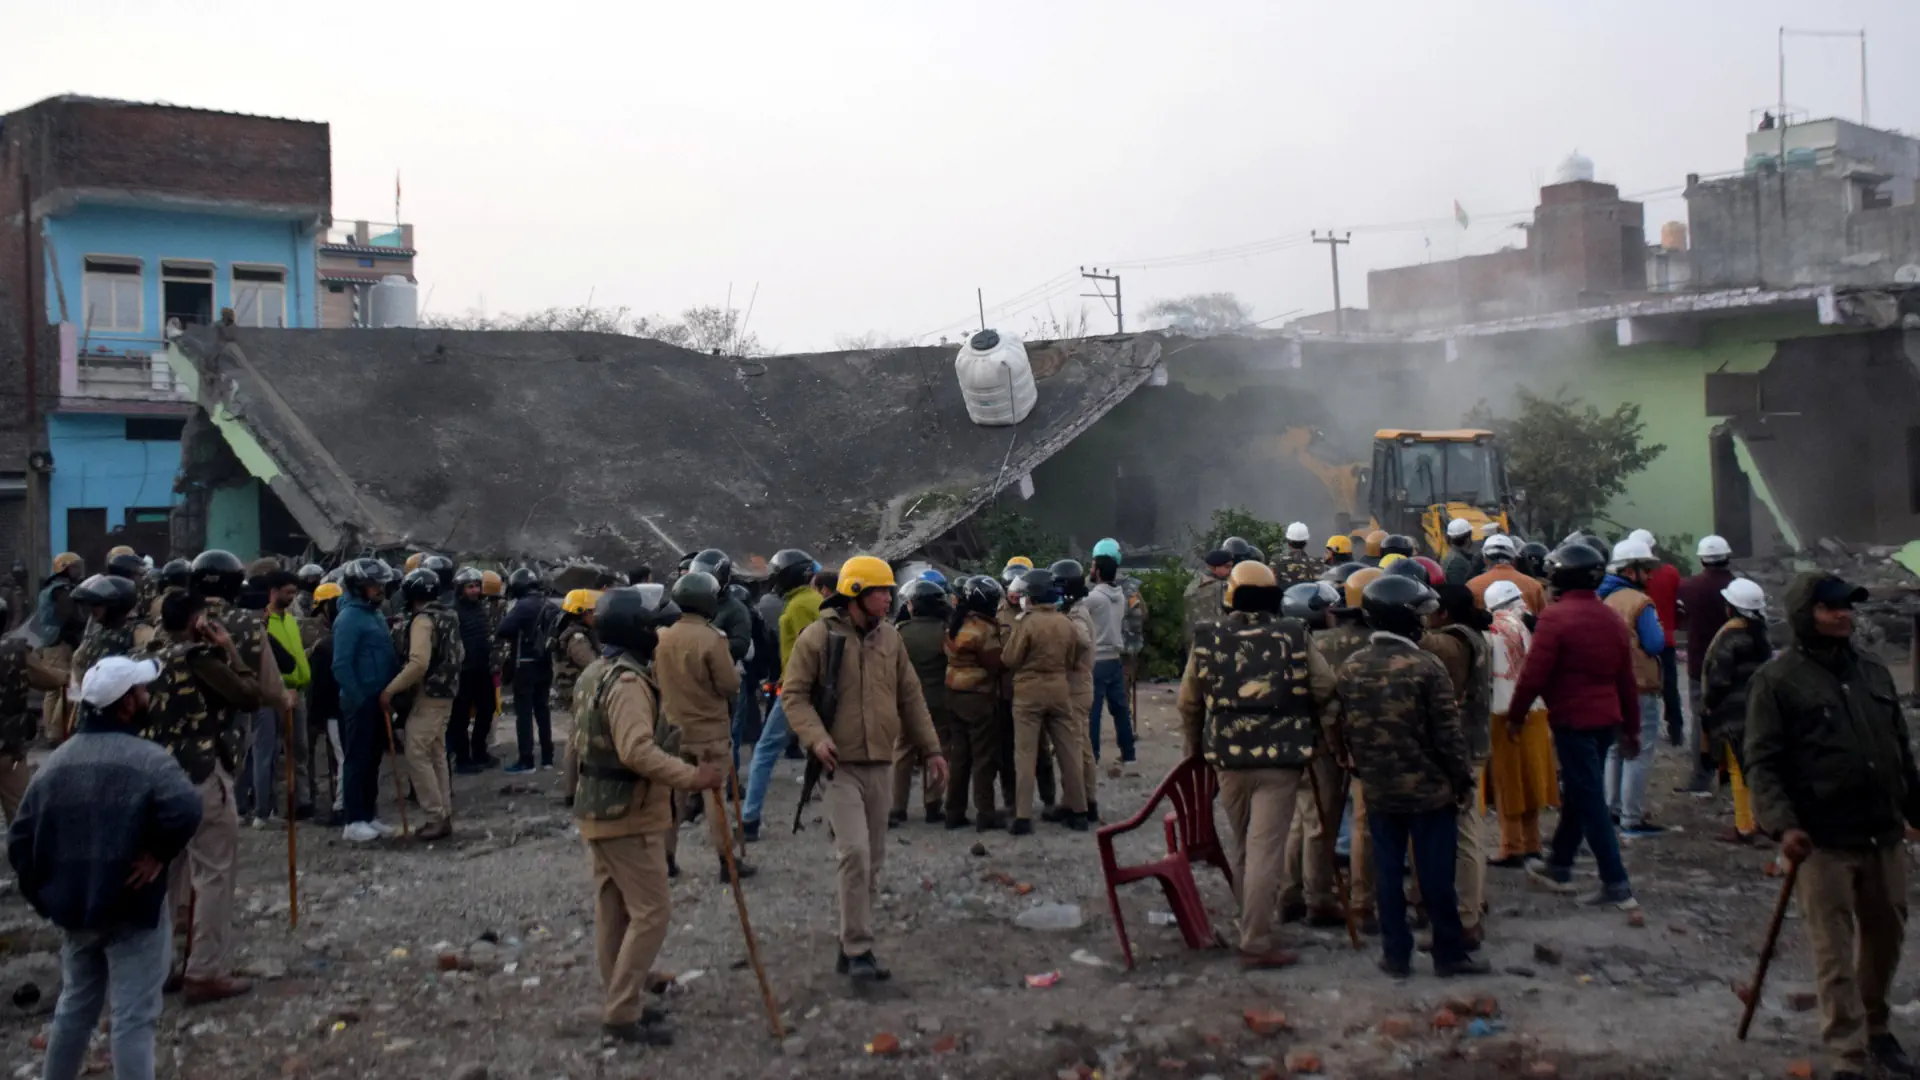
[1164,591]
[1268,536]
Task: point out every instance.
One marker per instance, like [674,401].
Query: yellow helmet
[66,560]
[1340,545]
[863,573]
[1357,583]
[1390,560]
[120,549]
[580,601]
[326,591]
[1374,540]
[1253,573]
[490,584]
[413,561]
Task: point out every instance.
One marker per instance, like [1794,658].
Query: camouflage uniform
[1397,722]
[1295,566]
[1250,701]
[1469,662]
[1309,869]
[20,673]
[1206,601]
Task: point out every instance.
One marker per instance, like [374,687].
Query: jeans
[470,730]
[1583,804]
[532,686]
[1626,780]
[254,791]
[1110,689]
[772,744]
[127,965]
[364,738]
[1434,835]
[1670,694]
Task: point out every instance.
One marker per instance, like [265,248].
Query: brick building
[352,262]
[120,224]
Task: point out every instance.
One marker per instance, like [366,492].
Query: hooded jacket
[363,657]
[1827,748]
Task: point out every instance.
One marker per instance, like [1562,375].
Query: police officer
[697,681]
[1456,633]
[924,610]
[432,653]
[1041,652]
[972,683]
[1461,564]
[470,728]
[1071,579]
[172,578]
[1293,565]
[111,628]
[1397,544]
[801,587]
[626,778]
[1307,875]
[309,578]
[731,617]
[20,672]
[875,696]
[1249,703]
[575,648]
[1397,727]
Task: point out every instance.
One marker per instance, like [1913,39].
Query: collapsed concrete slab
[509,445]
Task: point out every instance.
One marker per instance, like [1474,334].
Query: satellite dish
[1907,275]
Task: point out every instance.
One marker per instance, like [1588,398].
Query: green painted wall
[233,519]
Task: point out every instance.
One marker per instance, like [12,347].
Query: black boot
[1076,822]
[957,823]
[1093,812]
[988,821]
[750,831]
[746,869]
[936,816]
[866,968]
[640,1032]
[1021,827]
[673,867]
[896,818]
[1055,814]
[1890,1057]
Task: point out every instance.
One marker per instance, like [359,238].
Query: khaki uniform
[878,699]
[925,638]
[575,651]
[973,699]
[697,684]
[1252,701]
[625,811]
[427,724]
[1080,690]
[1042,652]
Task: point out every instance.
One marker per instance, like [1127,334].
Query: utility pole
[1333,249]
[1119,315]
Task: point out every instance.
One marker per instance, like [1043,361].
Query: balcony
[117,373]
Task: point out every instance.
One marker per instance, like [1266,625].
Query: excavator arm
[1342,481]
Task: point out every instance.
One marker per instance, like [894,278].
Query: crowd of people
[1363,707]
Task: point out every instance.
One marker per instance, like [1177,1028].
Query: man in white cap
[1293,565]
[1461,564]
[1624,591]
[99,824]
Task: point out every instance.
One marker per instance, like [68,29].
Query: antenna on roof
[980,298]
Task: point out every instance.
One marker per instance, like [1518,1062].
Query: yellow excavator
[1418,481]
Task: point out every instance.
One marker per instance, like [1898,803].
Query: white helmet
[1499,545]
[1715,548]
[1459,527]
[1501,594]
[1630,551]
[1297,533]
[1745,595]
[1644,537]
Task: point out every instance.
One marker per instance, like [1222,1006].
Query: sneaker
[360,832]
[1557,879]
[518,768]
[547,765]
[1618,897]
[1396,969]
[1642,831]
[260,823]
[866,968]
[382,828]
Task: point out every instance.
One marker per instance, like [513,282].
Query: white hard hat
[1297,533]
[1502,593]
[1644,537]
[1629,551]
[1459,527]
[113,677]
[1745,594]
[1499,544]
[1715,547]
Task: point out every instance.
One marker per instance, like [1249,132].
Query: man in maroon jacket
[1581,665]
[1703,612]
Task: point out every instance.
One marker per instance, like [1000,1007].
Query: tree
[1200,314]
[1269,536]
[1058,327]
[871,341]
[1568,458]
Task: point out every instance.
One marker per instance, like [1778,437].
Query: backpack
[537,640]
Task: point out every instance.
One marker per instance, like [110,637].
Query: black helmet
[631,617]
[1040,587]
[789,569]
[1599,544]
[740,594]
[1397,544]
[1394,603]
[1070,577]
[521,582]
[1576,566]
[1533,558]
[217,573]
[115,593]
[1240,551]
[923,597]
[697,593]
[1410,569]
[130,567]
[715,562]
[982,595]
[360,573]
[1338,575]
[1308,601]
[310,576]
[467,575]
[442,568]
[419,584]
[175,574]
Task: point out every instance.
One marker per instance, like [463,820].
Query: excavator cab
[1420,480]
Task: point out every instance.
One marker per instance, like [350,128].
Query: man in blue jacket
[91,844]
[1624,590]
[364,662]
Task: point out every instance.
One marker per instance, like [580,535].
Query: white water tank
[1577,167]
[995,379]
[395,302]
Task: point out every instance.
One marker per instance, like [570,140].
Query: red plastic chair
[1191,786]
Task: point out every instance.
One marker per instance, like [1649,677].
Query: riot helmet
[715,562]
[1395,603]
[217,573]
[1576,566]
[697,592]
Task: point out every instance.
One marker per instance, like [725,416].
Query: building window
[186,292]
[111,290]
[364,261]
[155,428]
[260,296]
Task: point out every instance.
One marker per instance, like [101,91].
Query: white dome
[1576,167]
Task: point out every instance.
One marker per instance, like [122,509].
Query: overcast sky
[865,166]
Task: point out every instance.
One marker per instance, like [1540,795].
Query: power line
[1333,249]
[1114,309]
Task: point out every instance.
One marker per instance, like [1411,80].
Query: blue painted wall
[153,235]
[95,465]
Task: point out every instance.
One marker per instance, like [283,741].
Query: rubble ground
[473,958]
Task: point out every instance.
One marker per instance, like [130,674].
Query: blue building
[148,219]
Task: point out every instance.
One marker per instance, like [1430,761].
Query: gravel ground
[359,990]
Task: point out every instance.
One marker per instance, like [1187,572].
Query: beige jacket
[697,679]
[880,697]
[631,708]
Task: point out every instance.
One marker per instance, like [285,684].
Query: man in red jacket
[1581,665]
[1703,612]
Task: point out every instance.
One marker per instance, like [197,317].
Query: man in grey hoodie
[1108,607]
